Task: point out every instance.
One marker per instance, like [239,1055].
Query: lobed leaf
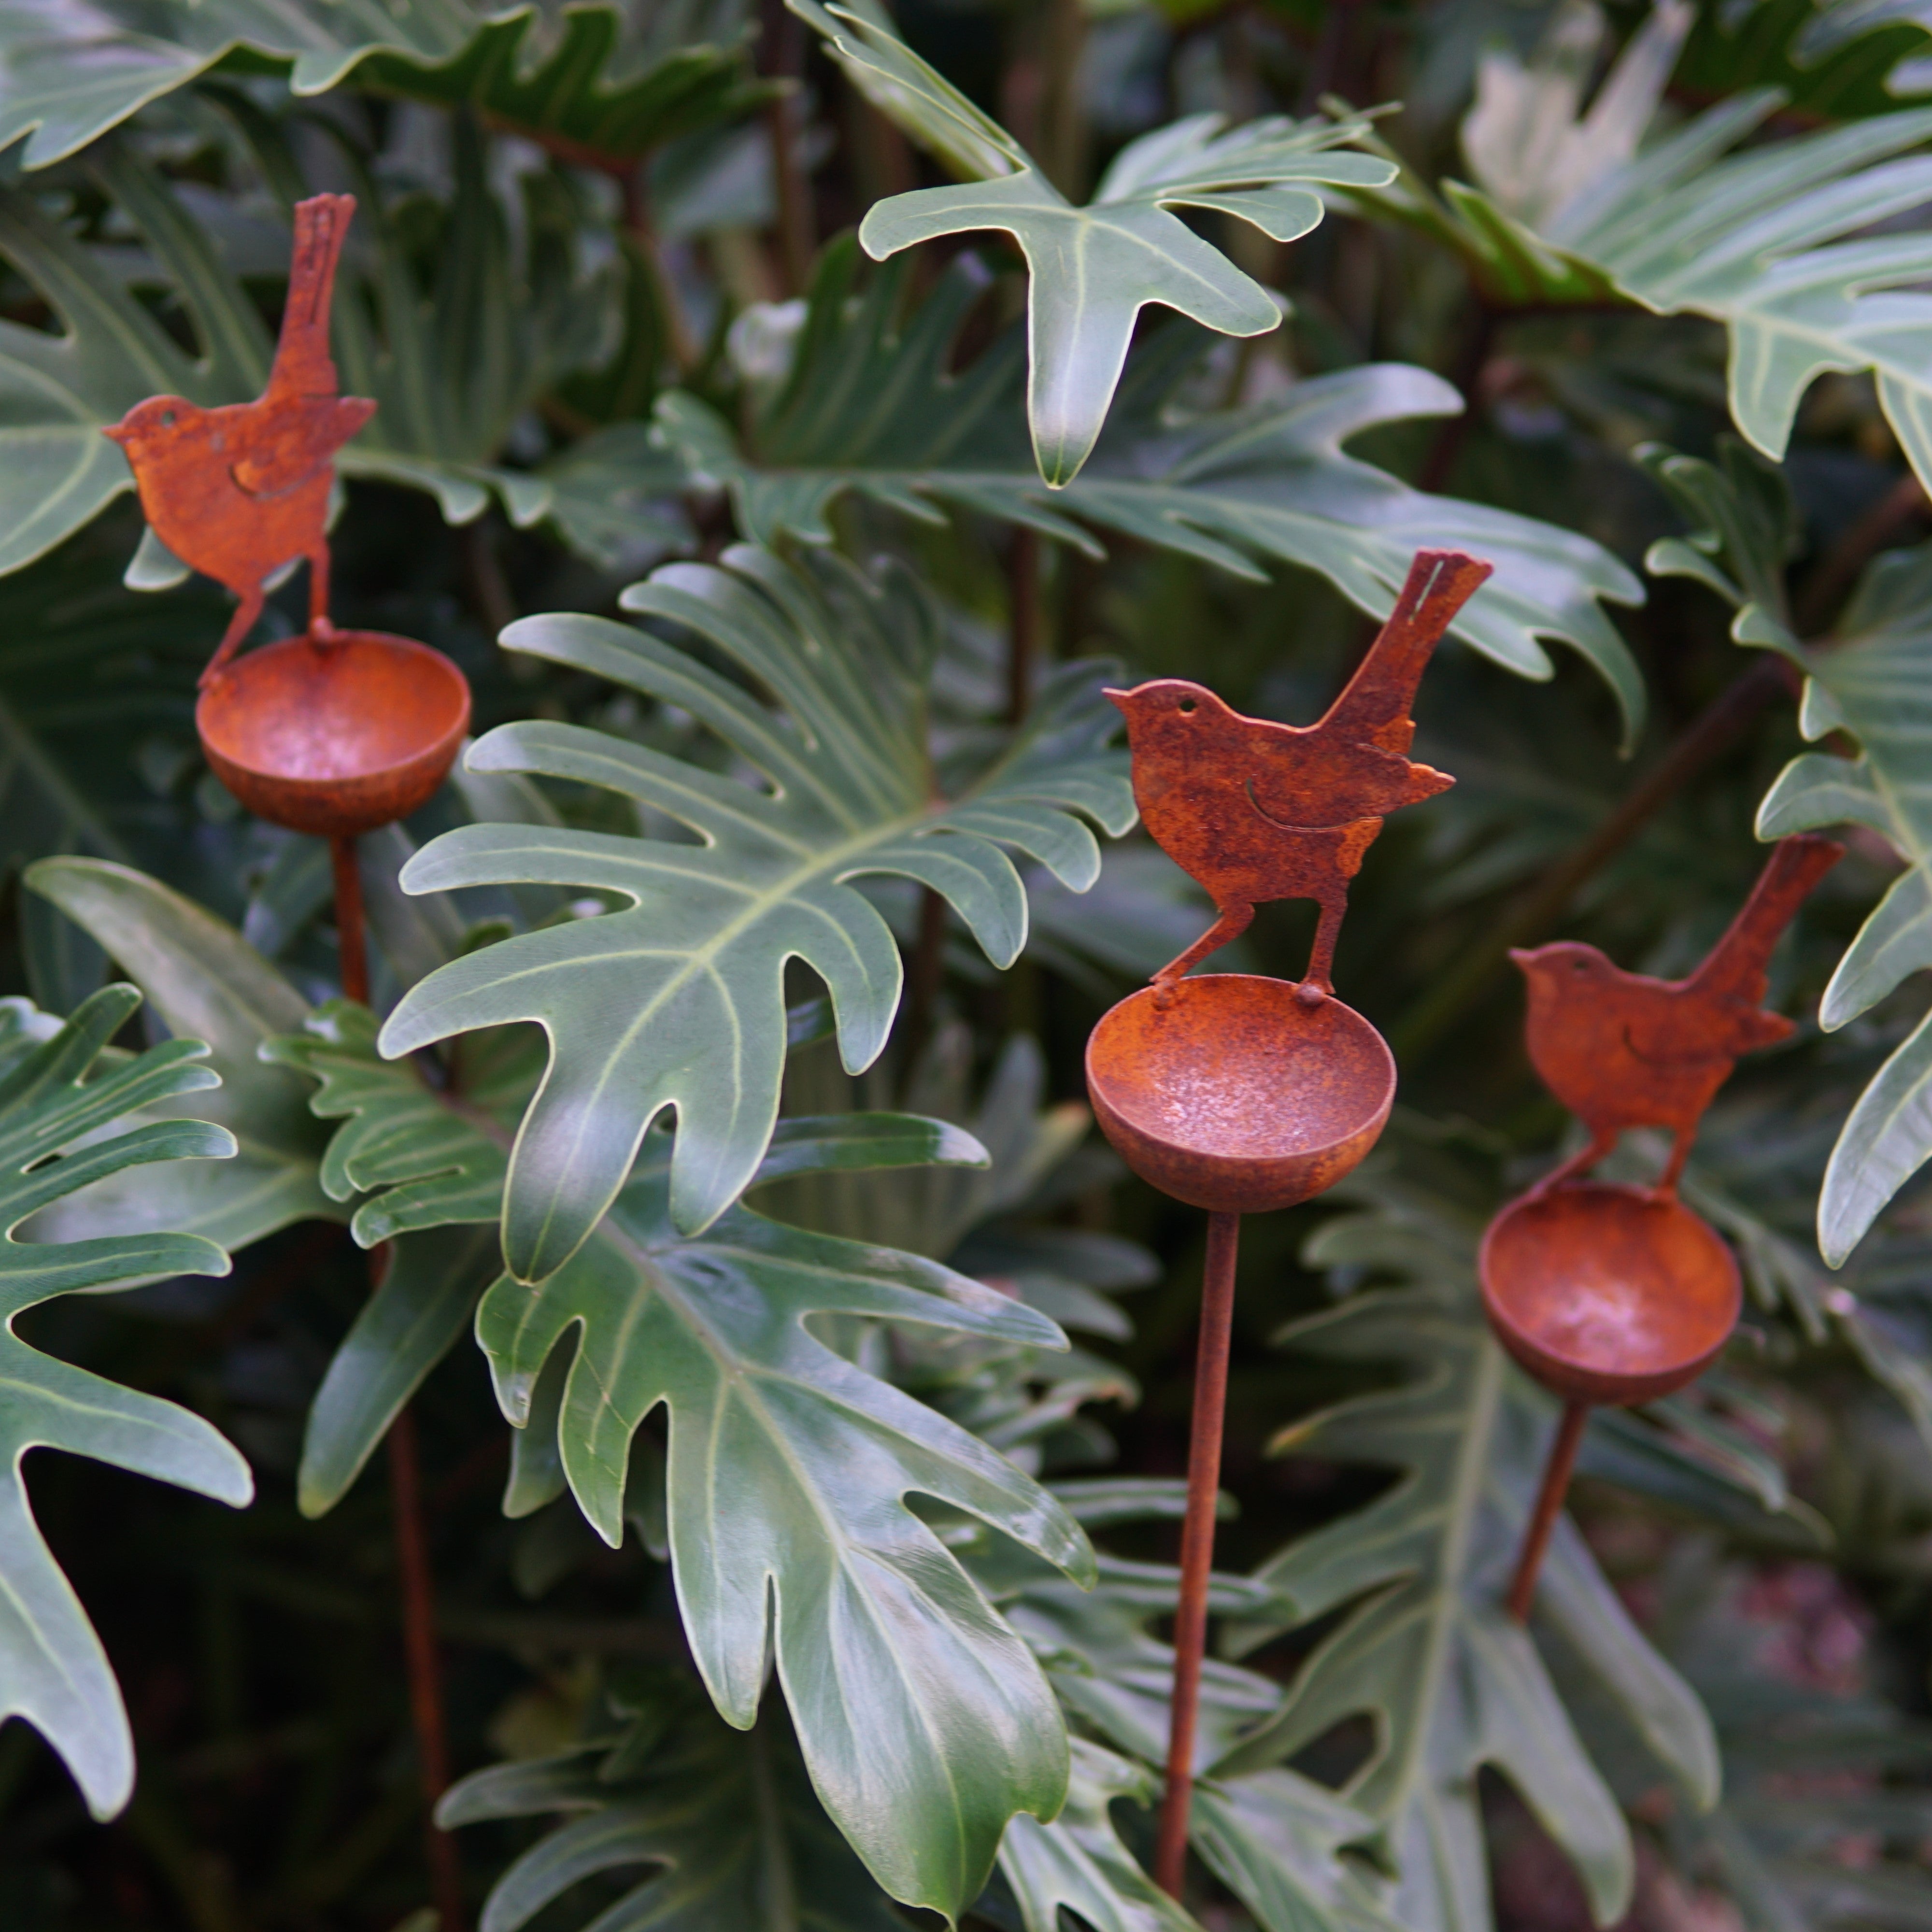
[62,1125]
[676,1001]
[1092,269]
[873,407]
[924,1721]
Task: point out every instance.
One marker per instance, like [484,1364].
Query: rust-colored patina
[238,492]
[1235,1092]
[337,737]
[333,733]
[1231,1095]
[1609,1294]
[1623,1050]
[1257,811]
[1615,1295]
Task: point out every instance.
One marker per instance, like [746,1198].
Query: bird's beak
[115,433]
[1118,699]
[1522,956]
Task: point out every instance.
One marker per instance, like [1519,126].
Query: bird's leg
[320,629]
[1681,1138]
[1318,981]
[1233,921]
[239,625]
[1603,1143]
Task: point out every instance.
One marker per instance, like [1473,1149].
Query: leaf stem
[1715,729]
[425,1675]
[1197,1543]
[784,59]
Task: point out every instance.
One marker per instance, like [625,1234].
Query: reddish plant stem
[922,982]
[351,937]
[1556,1476]
[785,60]
[1023,643]
[1721,724]
[425,1673]
[412,1565]
[1197,1544]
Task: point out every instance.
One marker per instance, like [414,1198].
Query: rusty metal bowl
[1228,1092]
[338,736]
[1608,1295]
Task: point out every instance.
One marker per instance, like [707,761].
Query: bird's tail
[1375,705]
[1736,968]
[303,366]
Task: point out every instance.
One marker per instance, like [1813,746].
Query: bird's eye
[1578,966]
[167,419]
[1187,707]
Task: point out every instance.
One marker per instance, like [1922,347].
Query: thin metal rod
[352,941]
[1197,1543]
[425,1671]
[1549,1502]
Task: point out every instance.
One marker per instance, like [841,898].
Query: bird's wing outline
[274,468]
[1375,703]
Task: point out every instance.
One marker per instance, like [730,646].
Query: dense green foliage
[792,419]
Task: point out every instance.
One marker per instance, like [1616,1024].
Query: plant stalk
[1721,723]
[1556,1475]
[412,1564]
[1197,1543]
[1023,641]
[351,935]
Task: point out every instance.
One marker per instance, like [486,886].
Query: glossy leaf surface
[789,1466]
[676,1001]
[53,1098]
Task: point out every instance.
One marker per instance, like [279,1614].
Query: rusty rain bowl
[1608,1295]
[1232,1095]
[335,737]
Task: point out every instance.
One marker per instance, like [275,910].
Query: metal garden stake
[333,733]
[1612,1295]
[1237,1092]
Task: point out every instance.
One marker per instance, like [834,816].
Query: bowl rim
[1518,1337]
[1362,1031]
[232,682]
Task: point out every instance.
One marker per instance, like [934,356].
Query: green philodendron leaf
[1869,682]
[1424,1646]
[1866,681]
[206,982]
[872,406]
[1092,269]
[606,83]
[676,1001]
[56,1101]
[1805,248]
[924,1721]
[1078,1863]
[923,1718]
[1275,1838]
[729,1824]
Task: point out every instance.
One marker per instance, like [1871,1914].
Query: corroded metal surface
[1608,1294]
[236,493]
[1257,811]
[335,737]
[1623,1050]
[1228,1092]
[1615,1295]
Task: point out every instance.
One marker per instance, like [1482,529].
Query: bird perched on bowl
[1257,811]
[1623,1050]
[236,493]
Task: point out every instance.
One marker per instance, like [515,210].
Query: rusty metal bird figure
[238,492]
[1257,811]
[1623,1050]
